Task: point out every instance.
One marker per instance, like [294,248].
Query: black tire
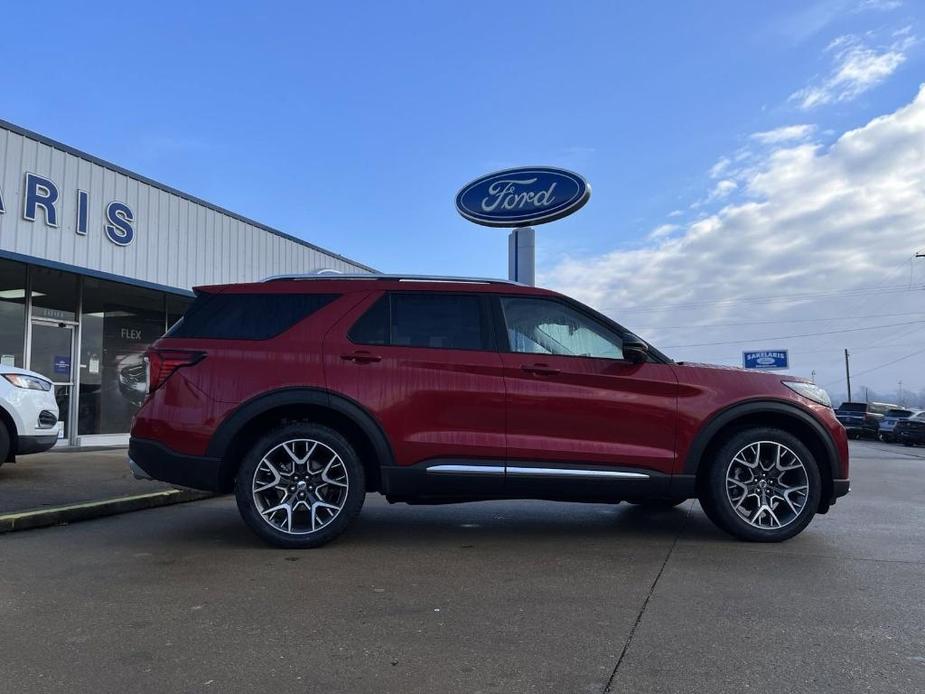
[908,444]
[351,504]
[657,504]
[4,443]
[719,507]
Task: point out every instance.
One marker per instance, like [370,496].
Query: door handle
[361,357]
[540,369]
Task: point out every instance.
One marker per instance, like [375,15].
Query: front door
[572,397]
[51,352]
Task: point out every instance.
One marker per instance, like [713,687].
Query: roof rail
[400,278]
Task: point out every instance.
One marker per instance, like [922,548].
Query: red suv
[302,394]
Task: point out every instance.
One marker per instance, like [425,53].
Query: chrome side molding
[466,469]
[513,471]
[572,472]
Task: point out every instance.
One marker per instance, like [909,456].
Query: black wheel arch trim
[743,409]
[300,395]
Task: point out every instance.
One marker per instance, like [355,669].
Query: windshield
[901,414]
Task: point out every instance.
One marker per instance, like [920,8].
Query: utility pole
[848,375]
[814,376]
[901,393]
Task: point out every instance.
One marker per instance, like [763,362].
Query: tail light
[161,363]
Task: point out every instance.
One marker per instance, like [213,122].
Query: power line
[790,337]
[876,368]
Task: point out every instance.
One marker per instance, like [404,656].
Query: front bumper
[35,444]
[153,460]
[911,436]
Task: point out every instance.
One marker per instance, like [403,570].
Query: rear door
[573,400]
[426,366]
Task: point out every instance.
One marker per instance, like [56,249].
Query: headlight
[810,391]
[29,382]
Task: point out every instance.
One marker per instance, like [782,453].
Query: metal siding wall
[178,243]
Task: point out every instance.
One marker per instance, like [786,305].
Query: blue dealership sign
[62,365]
[522,197]
[768,359]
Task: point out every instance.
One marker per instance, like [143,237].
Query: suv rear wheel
[300,486]
[763,486]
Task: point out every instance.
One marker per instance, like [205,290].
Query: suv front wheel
[300,486]
[763,486]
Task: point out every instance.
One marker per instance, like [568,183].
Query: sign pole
[521,255]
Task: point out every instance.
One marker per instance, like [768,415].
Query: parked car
[28,413]
[890,418]
[911,431]
[132,384]
[862,419]
[303,394]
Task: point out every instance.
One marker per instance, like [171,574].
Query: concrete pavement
[63,486]
[491,597]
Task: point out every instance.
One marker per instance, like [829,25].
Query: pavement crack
[645,603]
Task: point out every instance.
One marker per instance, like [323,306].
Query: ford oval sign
[522,197]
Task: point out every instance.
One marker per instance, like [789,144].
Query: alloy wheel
[300,486]
[767,485]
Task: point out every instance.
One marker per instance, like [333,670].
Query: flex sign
[41,197]
[771,359]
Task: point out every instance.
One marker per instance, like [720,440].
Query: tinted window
[899,413]
[442,321]
[544,326]
[373,326]
[246,316]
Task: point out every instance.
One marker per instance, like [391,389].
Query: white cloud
[662,231]
[787,133]
[814,222]
[882,5]
[720,167]
[856,68]
[722,189]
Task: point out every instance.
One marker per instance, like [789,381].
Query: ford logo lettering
[522,197]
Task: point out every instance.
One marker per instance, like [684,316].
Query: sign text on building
[41,196]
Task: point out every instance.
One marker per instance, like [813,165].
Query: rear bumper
[159,462]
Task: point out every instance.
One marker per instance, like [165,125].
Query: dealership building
[96,262]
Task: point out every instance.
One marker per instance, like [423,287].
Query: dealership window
[54,294]
[118,323]
[12,312]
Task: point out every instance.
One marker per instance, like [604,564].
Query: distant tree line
[907,398]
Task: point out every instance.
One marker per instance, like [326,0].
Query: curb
[70,513]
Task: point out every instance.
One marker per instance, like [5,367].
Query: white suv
[28,413]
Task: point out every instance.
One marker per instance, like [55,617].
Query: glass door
[52,349]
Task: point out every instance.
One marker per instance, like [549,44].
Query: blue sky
[353,124]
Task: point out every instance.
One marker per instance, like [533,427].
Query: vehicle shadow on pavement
[494,522]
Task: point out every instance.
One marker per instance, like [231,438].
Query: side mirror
[635,350]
